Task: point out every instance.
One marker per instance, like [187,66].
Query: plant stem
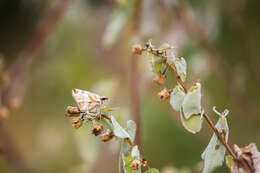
[209,121]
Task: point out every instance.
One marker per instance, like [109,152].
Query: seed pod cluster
[97,129]
[164,94]
[76,122]
[72,111]
[107,136]
[159,79]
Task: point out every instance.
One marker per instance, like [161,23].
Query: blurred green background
[74,56]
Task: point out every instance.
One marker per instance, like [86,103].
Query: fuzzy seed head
[76,123]
[164,94]
[137,49]
[159,79]
[107,136]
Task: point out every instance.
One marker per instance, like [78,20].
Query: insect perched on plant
[89,104]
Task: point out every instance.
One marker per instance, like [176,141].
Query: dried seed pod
[159,79]
[76,123]
[72,111]
[164,94]
[107,136]
[97,129]
[144,162]
[137,49]
[136,164]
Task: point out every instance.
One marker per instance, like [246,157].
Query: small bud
[107,136]
[164,94]
[159,79]
[72,111]
[137,49]
[136,164]
[144,162]
[97,129]
[76,123]
[4,112]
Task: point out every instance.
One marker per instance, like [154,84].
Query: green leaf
[192,101]
[213,155]
[229,161]
[165,46]
[119,131]
[177,97]
[155,61]
[152,170]
[181,67]
[118,21]
[192,124]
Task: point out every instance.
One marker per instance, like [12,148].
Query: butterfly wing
[85,99]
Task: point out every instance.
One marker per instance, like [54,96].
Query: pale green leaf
[119,131]
[177,97]
[181,67]
[194,123]
[131,129]
[155,61]
[229,161]
[135,152]
[152,170]
[214,154]
[192,101]
[165,46]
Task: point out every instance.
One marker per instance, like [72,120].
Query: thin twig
[209,121]
[17,71]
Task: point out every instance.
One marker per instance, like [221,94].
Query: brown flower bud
[144,162]
[97,129]
[76,123]
[107,136]
[72,111]
[136,164]
[159,79]
[4,112]
[137,49]
[164,94]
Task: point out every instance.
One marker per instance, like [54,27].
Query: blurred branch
[236,13]
[184,13]
[16,74]
[9,150]
[17,71]
[134,86]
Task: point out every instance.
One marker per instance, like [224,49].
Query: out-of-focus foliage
[73,57]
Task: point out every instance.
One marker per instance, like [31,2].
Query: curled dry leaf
[248,159]
[164,94]
[159,79]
